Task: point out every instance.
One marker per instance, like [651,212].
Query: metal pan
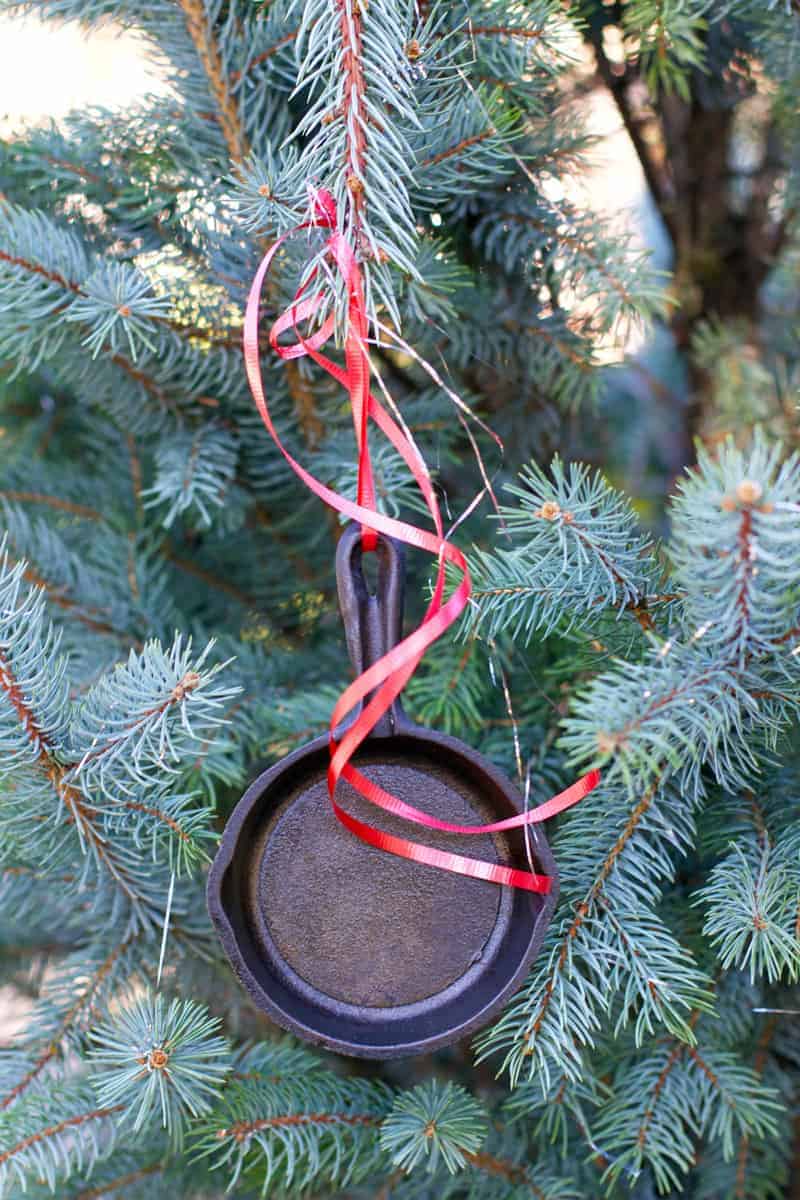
[345,945]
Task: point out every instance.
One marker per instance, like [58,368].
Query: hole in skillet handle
[347,946]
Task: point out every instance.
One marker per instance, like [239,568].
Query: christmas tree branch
[53,1131]
[650,1110]
[240,1131]
[203,36]
[264,55]
[130,1179]
[80,1009]
[513,1173]
[55,502]
[582,911]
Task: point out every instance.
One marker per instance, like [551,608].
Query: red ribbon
[387,677]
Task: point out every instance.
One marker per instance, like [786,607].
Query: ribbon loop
[378,686]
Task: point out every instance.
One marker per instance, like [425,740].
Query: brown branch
[641,1137]
[136,475]
[352,116]
[568,352]
[265,54]
[78,510]
[160,815]
[36,269]
[676,1053]
[54,1130]
[122,1181]
[745,547]
[213,581]
[245,1129]
[73,168]
[757,814]
[506,31]
[302,395]
[459,147]
[27,718]
[56,596]
[672,695]
[583,908]
[704,1067]
[205,43]
[81,812]
[512,1172]
[461,667]
[69,1018]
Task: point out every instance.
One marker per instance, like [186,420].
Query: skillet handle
[373,625]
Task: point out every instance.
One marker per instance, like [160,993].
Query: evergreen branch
[575,547]
[56,502]
[201,31]
[457,150]
[314,1128]
[739,514]
[129,1179]
[677,1100]
[193,473]
[759,1062]
[694,714]
[44,744]
[581,913]
[134,725]
[513,1173]
[751,916]
[162,1058]
[108,300]
[53,1130]
[434,1123]
[79,1010]
[547,241]
[265,55]
[658,1087]
[39,1148]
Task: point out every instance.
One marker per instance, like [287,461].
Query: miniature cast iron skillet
[346,945]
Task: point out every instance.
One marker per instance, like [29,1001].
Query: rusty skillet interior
[350,947]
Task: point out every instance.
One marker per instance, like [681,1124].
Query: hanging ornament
[328,913]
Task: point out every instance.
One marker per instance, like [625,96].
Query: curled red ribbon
[387,677]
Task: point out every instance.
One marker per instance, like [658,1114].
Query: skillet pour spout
[346,946]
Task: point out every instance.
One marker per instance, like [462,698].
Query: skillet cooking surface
[364,913]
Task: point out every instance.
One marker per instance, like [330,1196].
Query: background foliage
[167,612]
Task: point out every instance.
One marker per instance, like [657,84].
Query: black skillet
[345,945]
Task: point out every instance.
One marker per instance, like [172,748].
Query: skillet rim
[229,844]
